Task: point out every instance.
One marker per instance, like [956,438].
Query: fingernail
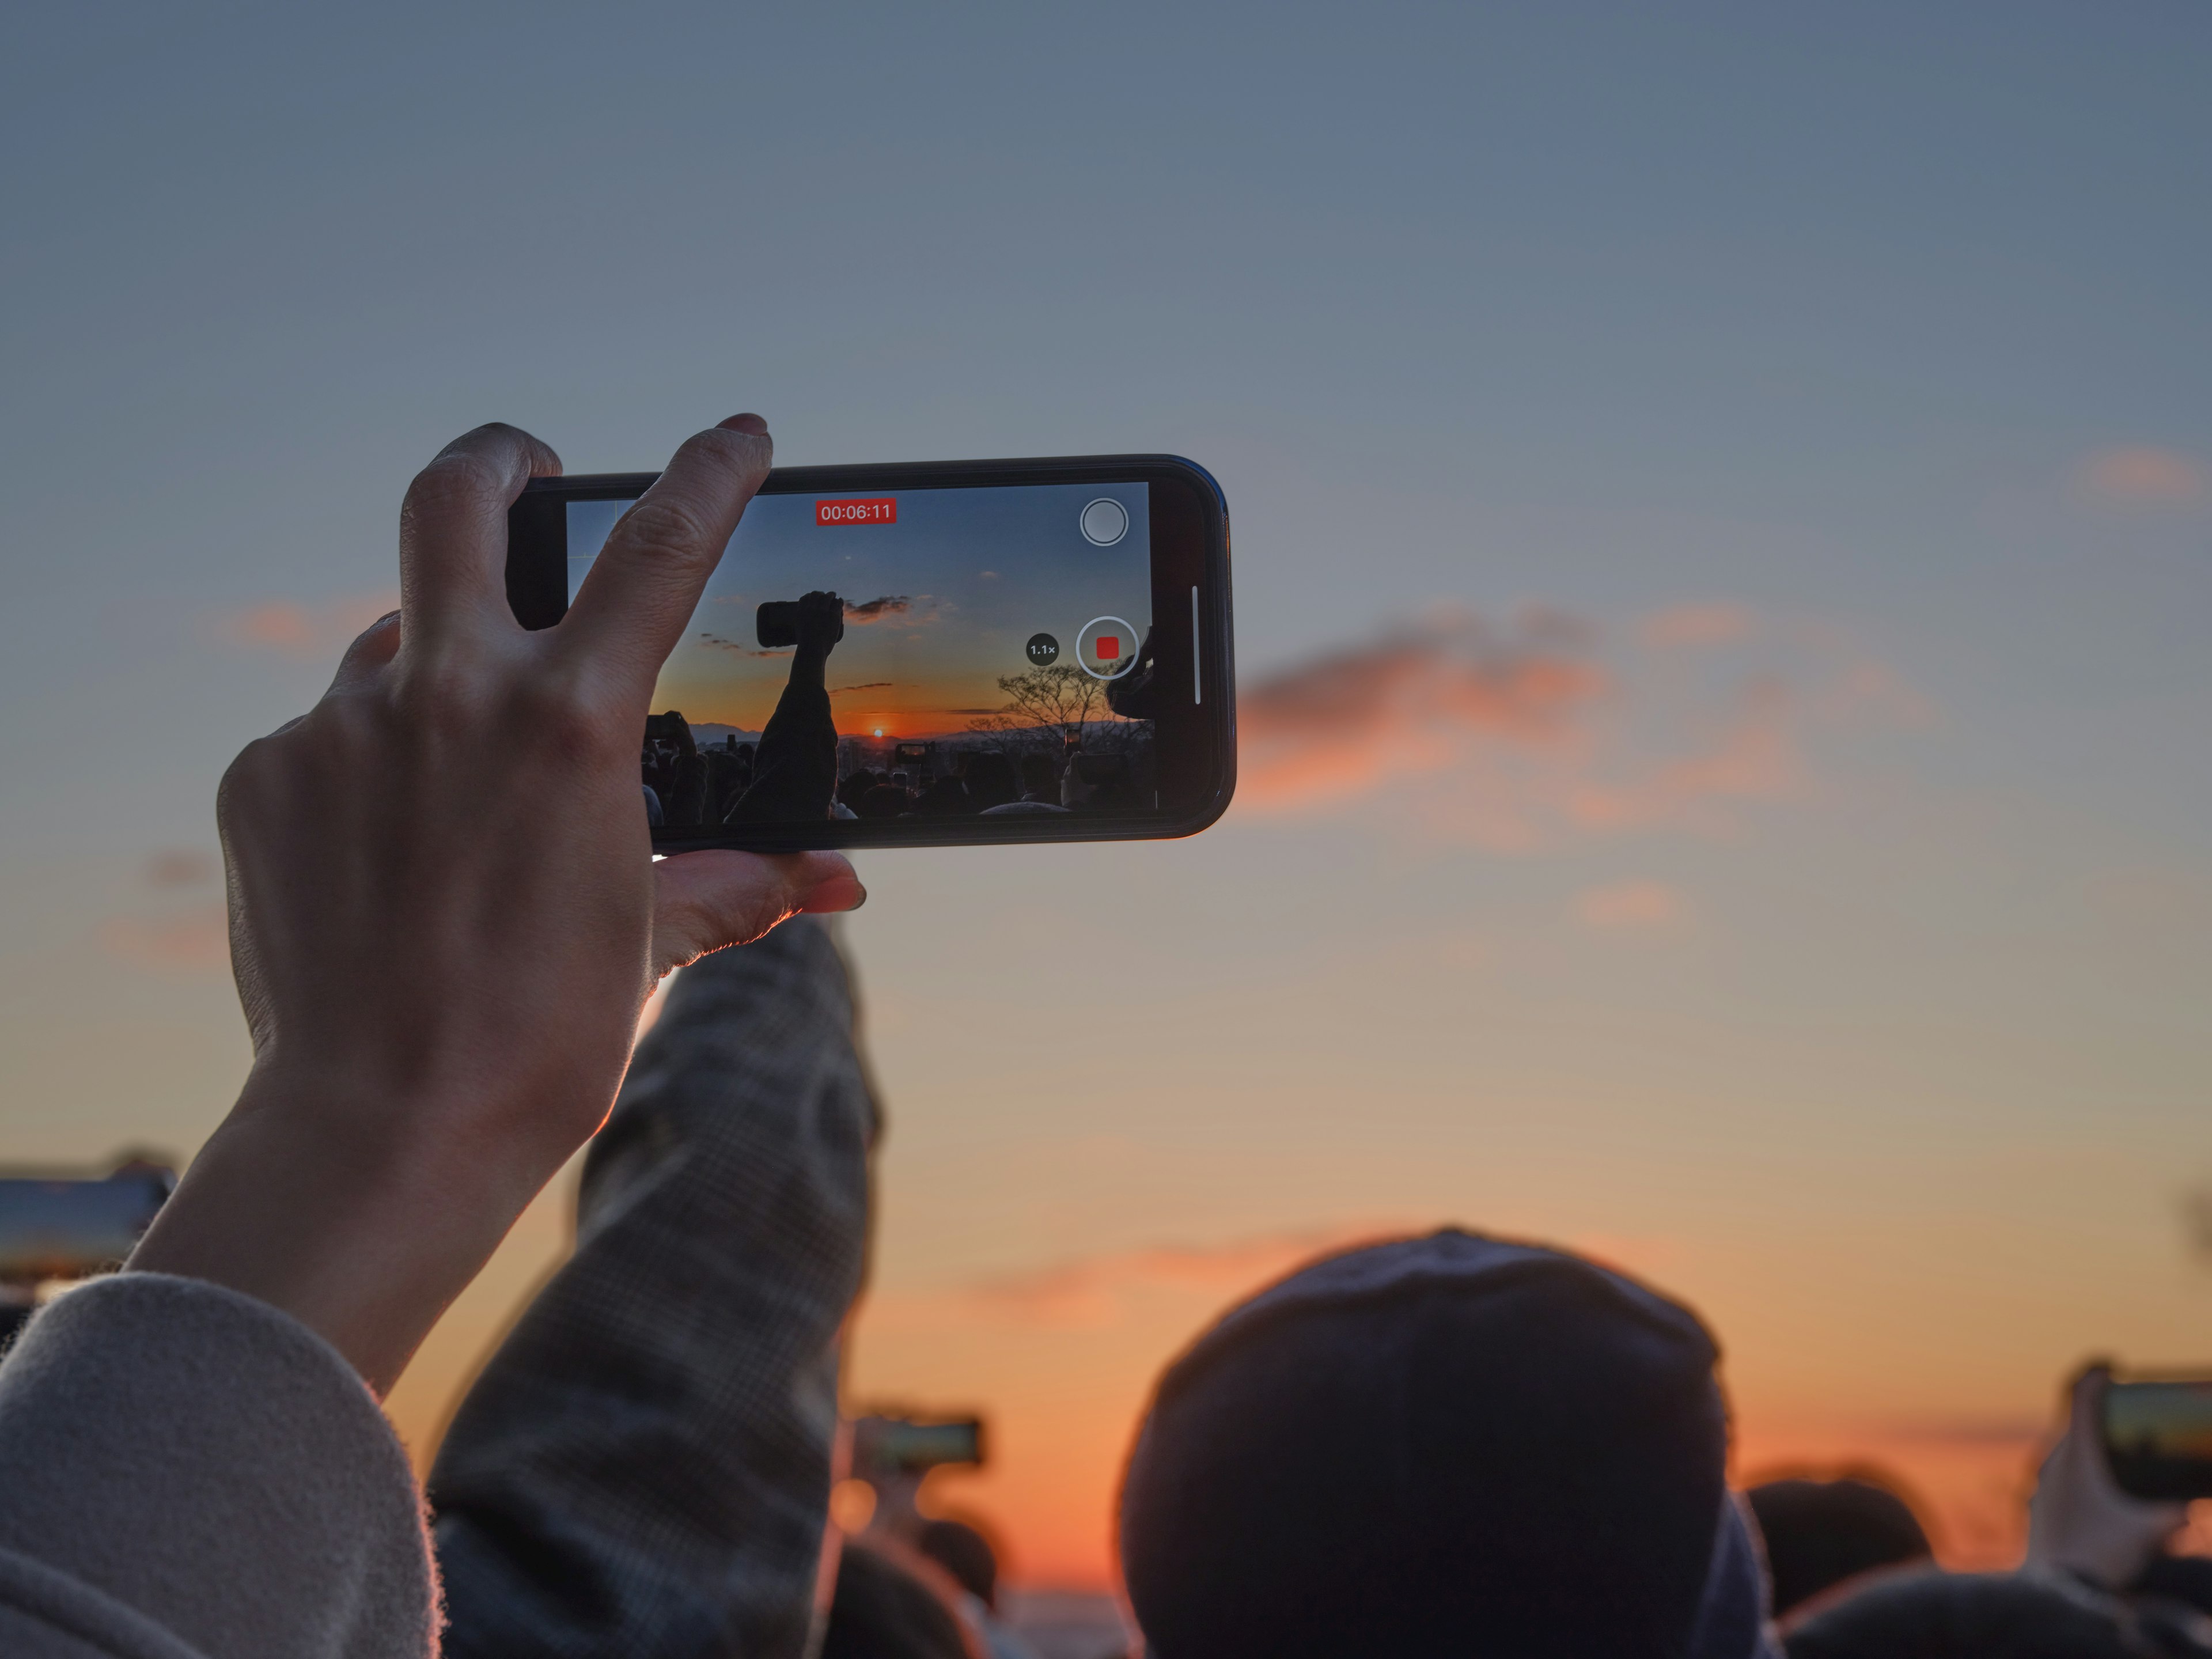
[859,901]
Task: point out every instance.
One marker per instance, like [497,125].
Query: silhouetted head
[991,778]
[1447,1445]
[1938,1615]
[881,1611]
[885,800]
[1820,1533]
[1040,779]
[945,795]
[966,1554]
[670,728]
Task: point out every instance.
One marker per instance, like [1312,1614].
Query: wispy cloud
[1417,700]
[182,866]
[872,610]
[870,685]
[1632,906]
[305,631]
[178,924]
[2141,476]
[1100,1291]
[1515,736]
[721,642]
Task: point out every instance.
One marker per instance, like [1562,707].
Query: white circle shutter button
[1105,522]
[1106,649]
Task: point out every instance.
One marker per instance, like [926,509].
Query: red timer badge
[882,509]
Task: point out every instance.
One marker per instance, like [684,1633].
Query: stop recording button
[1106,649]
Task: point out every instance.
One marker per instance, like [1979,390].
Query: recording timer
[882,509]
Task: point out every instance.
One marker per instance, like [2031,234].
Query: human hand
[821,623]
[2079,1520]
[445,916]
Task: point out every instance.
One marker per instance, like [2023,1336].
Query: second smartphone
[929,653]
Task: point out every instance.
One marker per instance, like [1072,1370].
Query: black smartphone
[68,1229]
[930,653]
[893,1445]
[2158,1438]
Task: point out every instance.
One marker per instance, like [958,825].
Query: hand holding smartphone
[929,654]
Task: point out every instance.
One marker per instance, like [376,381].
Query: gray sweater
[186,1471]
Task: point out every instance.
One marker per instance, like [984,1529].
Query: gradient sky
[970,576]
[1723,505]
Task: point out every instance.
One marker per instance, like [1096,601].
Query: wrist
[329,1209]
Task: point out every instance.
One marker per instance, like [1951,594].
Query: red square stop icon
[1108,647]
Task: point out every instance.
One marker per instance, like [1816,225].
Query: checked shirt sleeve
[643,1469]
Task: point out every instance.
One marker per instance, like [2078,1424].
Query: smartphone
[930,653]
[71,1229]
[2158,1438]
[892,1445]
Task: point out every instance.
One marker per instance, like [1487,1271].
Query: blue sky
[1780,435]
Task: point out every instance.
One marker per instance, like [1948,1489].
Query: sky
[940,602]
[1723,504]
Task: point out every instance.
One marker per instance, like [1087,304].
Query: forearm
[646,1461]
[362,1236]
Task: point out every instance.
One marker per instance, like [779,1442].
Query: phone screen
[2158,1438]
[928,653]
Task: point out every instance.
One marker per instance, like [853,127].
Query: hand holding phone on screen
[947,651]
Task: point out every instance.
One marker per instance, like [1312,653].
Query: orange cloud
[1514,738]
[189,942]
[182,866]
[2141,476]
[1089,1292]
[307,632]
[175,934]
[1632,906]
[1416,702]
[1754,757]
[1094,1292]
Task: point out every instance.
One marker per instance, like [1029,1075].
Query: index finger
[633,607]
[453,529]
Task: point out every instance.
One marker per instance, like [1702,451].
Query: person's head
[1939,1615]
[991,778]
[1040,778]
[885,800]
[882,1609]
[945,795]
[1820,1533]
[964,1553]
[1443,1445]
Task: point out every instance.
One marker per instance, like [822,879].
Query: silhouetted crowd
[688,786]
[1442,1445]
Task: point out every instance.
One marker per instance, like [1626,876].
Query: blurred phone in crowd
[940,653]
[2158,1438]
[68,1228]
[885,1447]
[64,1228]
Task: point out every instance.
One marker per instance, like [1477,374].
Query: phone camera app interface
[980,651]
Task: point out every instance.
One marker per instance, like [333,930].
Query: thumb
[705,901]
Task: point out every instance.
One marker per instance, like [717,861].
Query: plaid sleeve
[643,1469]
